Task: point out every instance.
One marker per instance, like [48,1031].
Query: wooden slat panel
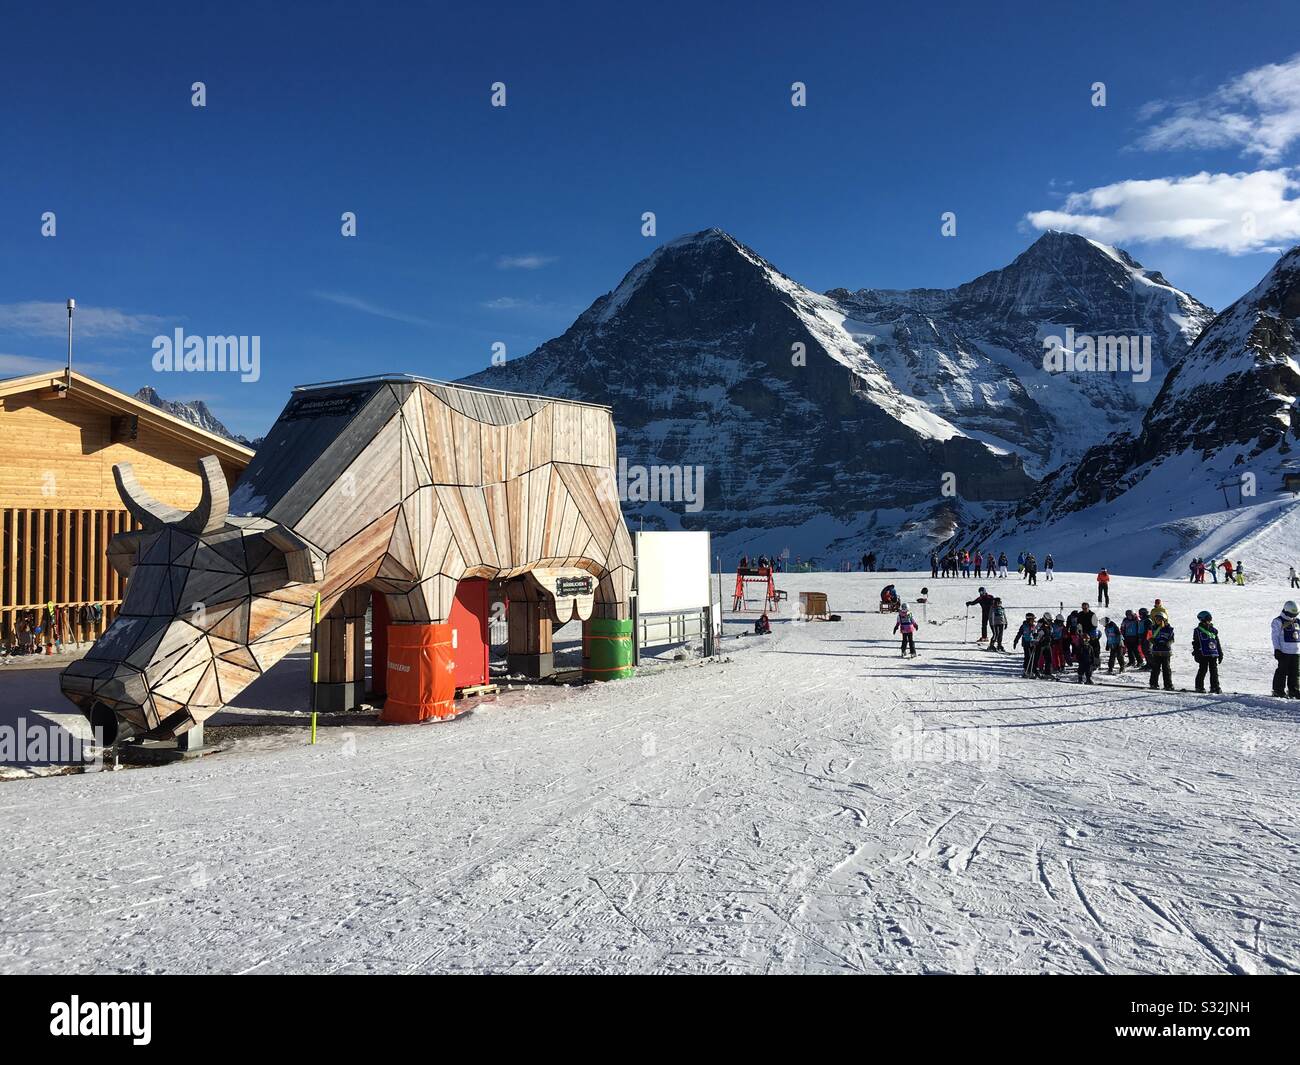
[568,433]
[495,444]
[468,446]
[543,431]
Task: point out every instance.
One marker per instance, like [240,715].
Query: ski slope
[810,803]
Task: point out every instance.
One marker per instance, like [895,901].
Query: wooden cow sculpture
[391,484]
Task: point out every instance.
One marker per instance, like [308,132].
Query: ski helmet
[1290,609]
[982,589]
[1060,618]
[1029,617]
[1204,615]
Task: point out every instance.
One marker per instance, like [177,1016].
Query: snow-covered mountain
[975,353]
[196,412]
[712,358]
[824,422]
[1203,473]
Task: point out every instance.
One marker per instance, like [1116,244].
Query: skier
[978,559]
[1295,581]
[763,627]
[1115,645]
[1213,569]
[907,626]
[1086,619]
[1031,568]
[1144,636]
[985,602]
[934,565]
[1226,566]
[1162,647]
[1207,651]
[999,623]
[1103,587]
[1129,630]
[1083,649]
[1241,574]
[1049,565]
[1002,564]
[1058,636]
[1043,648]
[1286,650]
[1025,636]
[1020,563]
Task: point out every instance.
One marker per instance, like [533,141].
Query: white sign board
[672,571]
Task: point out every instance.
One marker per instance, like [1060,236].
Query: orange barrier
[421,674]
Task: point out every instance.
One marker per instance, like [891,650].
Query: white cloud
[35,318]
[1233,213]
[524,262]
[1258,112]
[355,303]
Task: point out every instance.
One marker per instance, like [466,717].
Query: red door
[469,632]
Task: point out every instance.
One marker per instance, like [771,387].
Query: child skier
[1115,645]
[1207,651]
[1049,566]
[1162,648]
[1083,653]
[999,624]
[1025,637]
[907,627]
[1043,648]
[1128,629]
[763,626]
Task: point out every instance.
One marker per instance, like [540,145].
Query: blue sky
[479,225]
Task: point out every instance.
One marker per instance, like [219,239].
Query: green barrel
[609,649]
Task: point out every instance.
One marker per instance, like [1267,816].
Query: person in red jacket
[1103,588]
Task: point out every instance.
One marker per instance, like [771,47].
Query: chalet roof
[96,393]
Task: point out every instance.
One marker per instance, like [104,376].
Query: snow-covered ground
[809,803]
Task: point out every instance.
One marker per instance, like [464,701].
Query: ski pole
[965,629]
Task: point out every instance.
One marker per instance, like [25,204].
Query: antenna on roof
[72,306]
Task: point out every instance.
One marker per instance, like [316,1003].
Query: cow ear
[123,549]
[305,561]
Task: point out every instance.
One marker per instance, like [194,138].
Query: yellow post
[315,664]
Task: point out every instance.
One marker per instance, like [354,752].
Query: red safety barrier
[421,674]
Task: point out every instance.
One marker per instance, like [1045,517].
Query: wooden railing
[59,555]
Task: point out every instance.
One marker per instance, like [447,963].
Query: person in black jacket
[1207,652]
[985,602]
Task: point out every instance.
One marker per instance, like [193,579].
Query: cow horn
[207,517]
[210,514]
[140,504]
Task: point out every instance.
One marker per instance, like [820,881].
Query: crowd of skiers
[978,563]
[1141,640]
[1233,572]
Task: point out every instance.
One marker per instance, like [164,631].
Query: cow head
[211,602]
